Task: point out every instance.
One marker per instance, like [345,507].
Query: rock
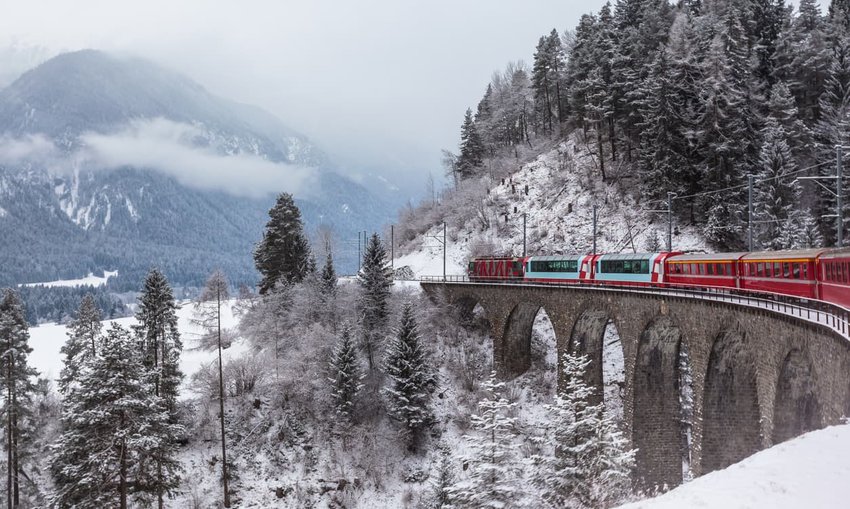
[404,274]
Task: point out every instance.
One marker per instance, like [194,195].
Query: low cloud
[36,149]
[176,149]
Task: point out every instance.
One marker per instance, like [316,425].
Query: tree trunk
[122,475]
[611,138]
[221,407]
[9,438]
[15,467]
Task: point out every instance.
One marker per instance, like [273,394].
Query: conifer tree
[375,280]
[329,278]
[83,338]
[441,484]
[17,390]
[493,478]
[346,378]
[161,348]
[591,463]
[283,255]
[411,380]
[208,311]
[833,129]
[777,197]
[546,80]
[113,426]
[471,157]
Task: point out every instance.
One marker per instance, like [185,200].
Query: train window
[786,270]
[710,268]
[777,269]
[795,271]
[805,271]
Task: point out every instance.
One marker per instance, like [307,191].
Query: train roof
[799,254]
[831,254]
[556,257]
[627,256]
[705,257]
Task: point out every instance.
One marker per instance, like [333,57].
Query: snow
[809,471]
[89,280]
[47,341]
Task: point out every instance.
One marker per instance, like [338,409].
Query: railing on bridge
[819,312]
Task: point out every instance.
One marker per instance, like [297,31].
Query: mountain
[65,212]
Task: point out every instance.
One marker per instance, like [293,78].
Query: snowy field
[47,340]
[90,280]
[810,471]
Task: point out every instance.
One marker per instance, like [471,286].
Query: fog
[379,85]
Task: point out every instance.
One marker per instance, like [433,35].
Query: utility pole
[444,250]
[840,191]
[523,235]
[750,214]
[392,246]
[359,257]
[594,228]
[669,221]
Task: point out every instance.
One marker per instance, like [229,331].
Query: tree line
[689,98]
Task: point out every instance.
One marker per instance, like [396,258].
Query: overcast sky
[376,83]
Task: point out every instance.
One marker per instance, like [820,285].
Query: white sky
[377,83]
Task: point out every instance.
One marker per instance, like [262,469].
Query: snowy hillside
[556,192]
[809,471]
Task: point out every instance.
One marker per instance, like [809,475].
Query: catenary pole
[392,246]
[669,221]
[594,228]
[524,246]
[221,400]
[444,250]
[839,198]
[750,213]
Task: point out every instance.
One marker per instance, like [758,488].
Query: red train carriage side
[496,268]
[703,270]
[833,270]
[786,272]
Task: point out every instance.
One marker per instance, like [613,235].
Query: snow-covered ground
[90,280]
[810,471]
[47,340]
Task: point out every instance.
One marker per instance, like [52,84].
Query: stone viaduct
[759,377]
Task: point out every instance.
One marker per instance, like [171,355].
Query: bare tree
[208,313]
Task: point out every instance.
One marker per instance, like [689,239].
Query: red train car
[496,268]
[703,270]
[833,270]
[786,272]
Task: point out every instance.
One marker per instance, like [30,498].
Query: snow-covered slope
[556,192]
[810,471]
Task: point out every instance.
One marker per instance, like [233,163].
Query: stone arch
[516,340]
[597,336]
[657,410]
[730,408]
[465,307]
[796,409]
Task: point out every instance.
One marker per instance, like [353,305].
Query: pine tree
[113,426]
[471,157]
[208,311]
[833,129]
[83,338]
[161,347]
[284,253]
[724,132]
[546,80]
[410,377]
[493,478]
[777,197]
[591,464]
[441,484]
[329,279]
[346,376]
[17,391]
[375,280]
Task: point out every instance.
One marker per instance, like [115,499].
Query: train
[814,274]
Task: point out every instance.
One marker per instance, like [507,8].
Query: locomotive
[819,274]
